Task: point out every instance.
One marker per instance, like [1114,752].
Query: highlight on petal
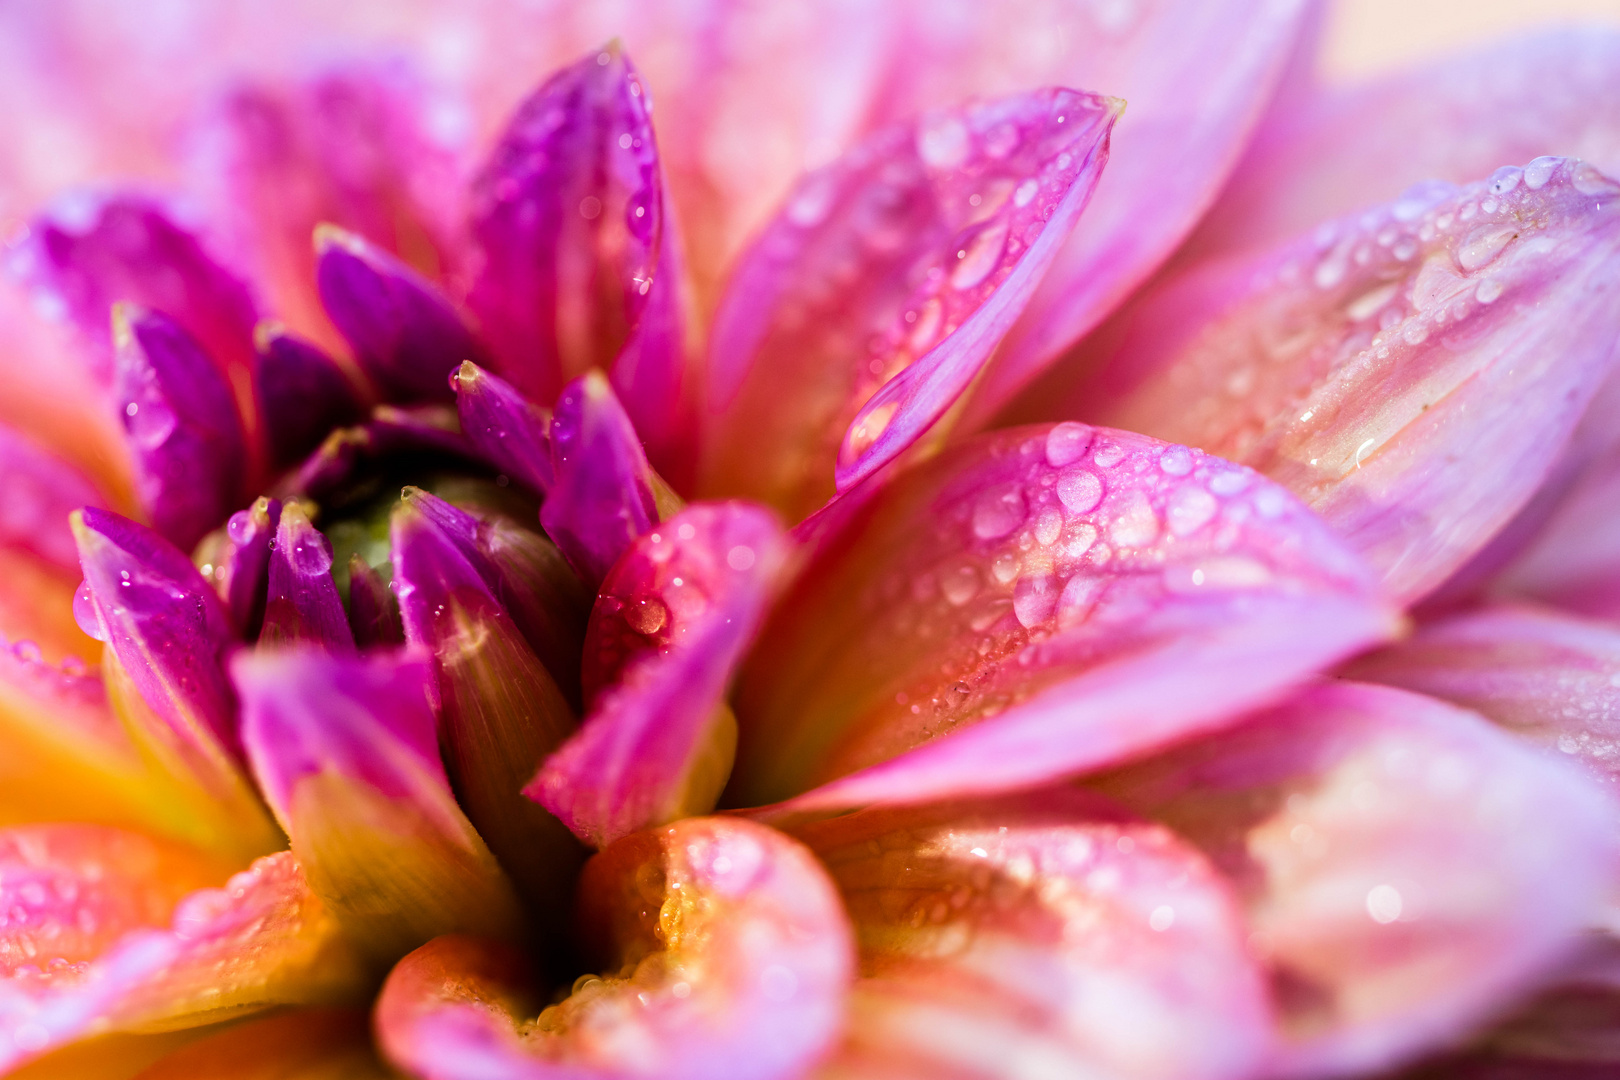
[38,490]
[167,635]
[237,560]
[404,332]
[345,752]
[500,711]
[1036,603]
[603,492]
[871,302]
[113,931]
[306,1045]
[1407,867]
[186,437]
[579,260]
[303,602]
[1043,934]
[302,392]
[724,952]
[505,426]
[670,627]
[1551,677]
[1465,325]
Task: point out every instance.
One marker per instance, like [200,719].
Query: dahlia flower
[887,564]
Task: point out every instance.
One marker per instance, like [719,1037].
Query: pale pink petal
[672,622]
[873,299]
[1035,603]
[1044,934]
[37,492]
[1465,325]
[724,952]
[1408,868]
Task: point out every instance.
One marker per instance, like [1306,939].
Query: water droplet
[740,558]
[1079,596]
[1539,171]
[1066,443]
[1588,181]
[84,612]
[1330,271]
[1005,567]
[1176,461]
[1048,526]
[1189,509]
[1505,179]
[1034,600]
[999,511]
[1108,455]
[1484,244]
[960,585]
[152,421]
[1134,523]
[1079,490]
[1026,191]
[1081,537]
[1370,301]
[646,615]
[1489,290]
[590,208]
[980,256]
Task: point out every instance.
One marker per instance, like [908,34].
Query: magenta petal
[673,620]
[303,394]
[373,608]
[1408,868]
[93,252]
[882,287]
[243,573]
[601,497]
[404,332]
[509,430]
[184,432]
[1451,325]
[429,431]
[1036,603]
[303,603]
[579,268]
[38,490]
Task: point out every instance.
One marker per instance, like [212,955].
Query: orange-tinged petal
[309,1044]
[725,953]
[106,1057]
[36,604]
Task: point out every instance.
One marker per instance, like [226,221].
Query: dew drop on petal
[999,511]
[1539,171]
[1079,490]
[1066,443]
[980,256]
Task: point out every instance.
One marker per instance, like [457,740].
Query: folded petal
[871,302]
[603,492]
[1407,867]
[373,607]
[240,564]
[303,394]
[1461,325]
[345,752]
[725,953]
[309,1044]
[1073,596]
[404,332]
[500,711]
[1044,934]
[38,490]
[303,602]
[167,635]
[108,934]
[185,435]
[579,262]
[1551,677]
[670,627]
[505,426]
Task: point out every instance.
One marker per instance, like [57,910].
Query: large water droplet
[1066,443]
[149,420]
[646,614]
[980,256]
[1079,490]
[1484,244]
[999,511]
[84,612]
[960,585]
[1539,171]
[1034,599]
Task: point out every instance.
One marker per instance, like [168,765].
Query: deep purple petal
[506,427]
[303,603]
[184,432]
[671,625]
[303,394]
[601,497]
[867,307]
[373,608]
[38,490]
[243,571]
[403,331]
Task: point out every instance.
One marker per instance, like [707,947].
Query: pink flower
[885,564]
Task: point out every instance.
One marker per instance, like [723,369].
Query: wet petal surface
[303,603]
[724,952]
[1072,595]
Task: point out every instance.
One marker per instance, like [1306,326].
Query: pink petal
[1459,325]
[670,627]
[579,260]
[241,563]
[303,602]
[1550,677]
[506,427]
[37,492]
[1073,596]
[109,938]
[876,295]
[303,393]
[1044,934]
[725,952]
[1407,867]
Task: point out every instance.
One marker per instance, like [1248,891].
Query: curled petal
[303,394]
[725,952]
[1548,676]
[373,607]
[1033,604]
[345,752]
[1406,866]
[240,562]
[167,634]
[670,627]
[1463,325]
[504,426]
[1041,933]
[189,447]
[875,297]
[579,269]
[303,603]
[602,495]
[403,331]
[38,490]
[114,938]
